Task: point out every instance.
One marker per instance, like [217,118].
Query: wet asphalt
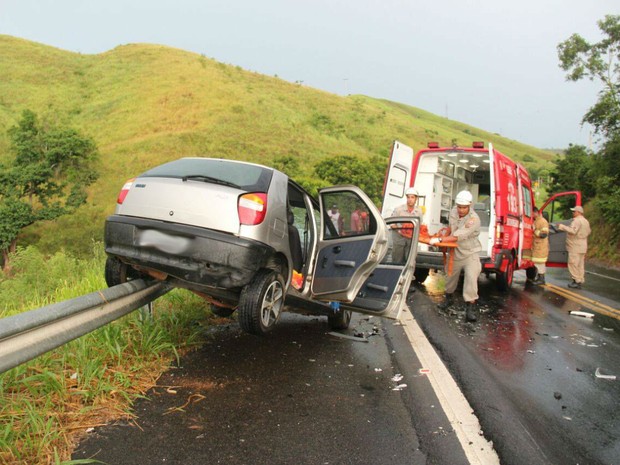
[298,396]
[528,368]
[303,396]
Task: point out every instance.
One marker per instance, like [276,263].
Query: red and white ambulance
[503,199]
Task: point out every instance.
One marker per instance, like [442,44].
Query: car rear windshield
[247,177]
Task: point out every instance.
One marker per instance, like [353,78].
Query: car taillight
[252,208]
[124,191]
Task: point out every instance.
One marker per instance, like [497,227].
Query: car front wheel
[261,302]
[339,319]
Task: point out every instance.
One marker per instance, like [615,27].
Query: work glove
[434,241]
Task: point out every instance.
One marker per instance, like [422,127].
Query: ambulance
[503,199]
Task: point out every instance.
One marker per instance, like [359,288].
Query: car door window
[346,214]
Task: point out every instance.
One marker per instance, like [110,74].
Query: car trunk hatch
[192,202]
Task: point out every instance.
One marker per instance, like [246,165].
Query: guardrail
[27,335]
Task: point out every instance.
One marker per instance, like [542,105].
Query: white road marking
[478,450]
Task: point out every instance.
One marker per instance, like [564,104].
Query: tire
[339,320]
[261,303]
[421,274]
[504,280]
[117,272]
[531,273]
[223,312]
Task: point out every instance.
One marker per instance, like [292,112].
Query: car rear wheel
[261,302]
[339,320]
[504,279]
[223,312]
[117,272]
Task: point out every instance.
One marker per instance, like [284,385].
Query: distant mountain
[146,104]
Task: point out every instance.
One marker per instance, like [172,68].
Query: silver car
[245,237]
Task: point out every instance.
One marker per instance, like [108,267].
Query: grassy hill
[146,104]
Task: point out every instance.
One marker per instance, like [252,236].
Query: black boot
[446,303]
[471,314]
[540,279]
[574,285]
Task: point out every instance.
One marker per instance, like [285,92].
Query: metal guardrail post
[30,334]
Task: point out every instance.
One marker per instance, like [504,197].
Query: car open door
[558,256]
[353,265]
[385,290]
[352,242]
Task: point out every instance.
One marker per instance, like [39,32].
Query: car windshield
[247,177]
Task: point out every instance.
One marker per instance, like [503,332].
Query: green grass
[49,402]
[147,104]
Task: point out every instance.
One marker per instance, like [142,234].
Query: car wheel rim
[272,304]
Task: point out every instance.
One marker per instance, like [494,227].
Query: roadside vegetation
[47,404]
[596,173]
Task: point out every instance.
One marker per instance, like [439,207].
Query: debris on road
[599,374]
[557,395]
[397,378]
[400,387]
[581,314]
[360,338]
[192,399]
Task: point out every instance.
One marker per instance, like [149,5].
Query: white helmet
[412,191]
[464,198]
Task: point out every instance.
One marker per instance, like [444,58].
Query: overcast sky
[489,63]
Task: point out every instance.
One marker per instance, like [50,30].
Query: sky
[492,64]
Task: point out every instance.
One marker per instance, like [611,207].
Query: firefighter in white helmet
[464,229]
[401,239]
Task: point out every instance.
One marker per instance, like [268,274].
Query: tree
[47,178]
[597,61]
[346,169]
[573,172]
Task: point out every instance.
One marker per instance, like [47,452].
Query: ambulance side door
[558,256]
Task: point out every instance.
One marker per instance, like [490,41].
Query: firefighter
[577,246]
[464,229]
[401,239]
[540,245]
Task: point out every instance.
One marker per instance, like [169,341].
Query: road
[528,367]
[302,395]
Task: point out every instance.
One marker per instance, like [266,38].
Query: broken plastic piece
[600,375]
[346,336]
[424,371]
[397,378]
[582,314]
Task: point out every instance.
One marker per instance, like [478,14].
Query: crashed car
[248,239]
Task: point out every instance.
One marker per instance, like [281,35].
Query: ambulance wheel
[421,274]
[531,273]
[504,279]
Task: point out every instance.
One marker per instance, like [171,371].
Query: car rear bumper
[196,256]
